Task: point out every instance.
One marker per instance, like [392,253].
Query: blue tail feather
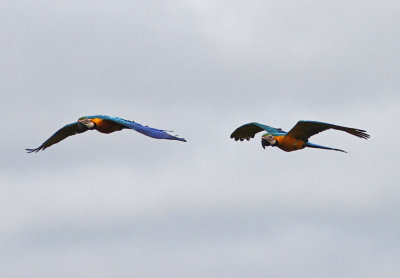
[311,145]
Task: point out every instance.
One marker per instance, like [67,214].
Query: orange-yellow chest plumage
[105,126]
[289,143]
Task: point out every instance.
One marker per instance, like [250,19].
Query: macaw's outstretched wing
[248,131]
[305,129]
[61,134]
[152,132]
[146,130]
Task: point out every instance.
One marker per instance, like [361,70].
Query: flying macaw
[103,124]
[296,138]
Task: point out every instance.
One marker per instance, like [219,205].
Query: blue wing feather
[59,135]
[249,130]
[305,129]
[146,130]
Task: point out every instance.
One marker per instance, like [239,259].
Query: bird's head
[268,140]
[85,123]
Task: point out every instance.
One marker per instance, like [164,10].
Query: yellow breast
[106,126]
[289,143]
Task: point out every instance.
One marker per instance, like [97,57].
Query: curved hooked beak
[268,140]
[264,143]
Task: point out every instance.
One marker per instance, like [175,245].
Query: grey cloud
[125,205]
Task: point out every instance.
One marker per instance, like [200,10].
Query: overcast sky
[126,205]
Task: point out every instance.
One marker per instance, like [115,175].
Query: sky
[126,205]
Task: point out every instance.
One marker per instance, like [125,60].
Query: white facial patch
[90,125]
[271,139]
[87,122]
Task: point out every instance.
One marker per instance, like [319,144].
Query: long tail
[311,145]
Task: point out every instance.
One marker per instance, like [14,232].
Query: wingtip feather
[360,133]
[32,150]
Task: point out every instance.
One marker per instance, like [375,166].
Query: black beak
[82,127]
[265,143]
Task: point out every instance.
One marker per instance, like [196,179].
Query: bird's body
[103,124]
[106,126]
[296,138]
[289,143]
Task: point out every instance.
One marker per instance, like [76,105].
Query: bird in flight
[296,138]
[103,124]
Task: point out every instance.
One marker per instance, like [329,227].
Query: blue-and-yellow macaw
[296,138]
[103,124]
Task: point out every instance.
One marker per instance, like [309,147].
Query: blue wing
[305,129]
[146,130]
[249,130]
[61,134]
